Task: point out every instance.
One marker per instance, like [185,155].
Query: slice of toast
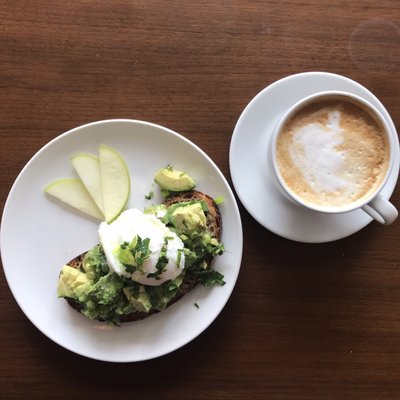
[214,226]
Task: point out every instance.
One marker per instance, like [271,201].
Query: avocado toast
[90,284]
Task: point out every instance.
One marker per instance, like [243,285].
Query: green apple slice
[74,193]
[87,167]
[115,182]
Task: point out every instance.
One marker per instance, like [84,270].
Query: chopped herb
[219,200]
[161,262]
[196,305]
[150,195]
[165,193]
[130,268]
[179,257]
[204,205]
[95,263]
[133,255]
[210,277]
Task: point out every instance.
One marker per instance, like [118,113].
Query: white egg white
[131,223]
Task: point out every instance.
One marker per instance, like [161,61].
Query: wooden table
[305,321]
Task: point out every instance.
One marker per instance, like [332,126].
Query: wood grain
[304,321]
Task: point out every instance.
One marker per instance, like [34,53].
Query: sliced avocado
[173,180]
[140,299]
[72,283]
[189,218]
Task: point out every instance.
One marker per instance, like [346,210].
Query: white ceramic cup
[374,204]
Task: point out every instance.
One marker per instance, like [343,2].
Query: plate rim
[234,210]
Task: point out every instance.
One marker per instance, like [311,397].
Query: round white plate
[39,235]
[250,170]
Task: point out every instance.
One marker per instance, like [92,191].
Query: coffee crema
[332,153]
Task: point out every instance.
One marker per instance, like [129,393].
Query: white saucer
[251,173]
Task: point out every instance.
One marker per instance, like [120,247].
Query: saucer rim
[296,79]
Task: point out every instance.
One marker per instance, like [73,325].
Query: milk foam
[314,152]
[332,153]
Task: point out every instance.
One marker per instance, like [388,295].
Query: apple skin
[115,182]
[87,166]
[103,188]
[73,193]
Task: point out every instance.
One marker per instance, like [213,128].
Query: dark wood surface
[304,321]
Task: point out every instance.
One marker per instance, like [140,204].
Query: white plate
[251,174]
[39,235]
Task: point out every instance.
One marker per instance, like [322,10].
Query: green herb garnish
[161,262]
[219,200]
[210,277]
[150,195]
[133,255]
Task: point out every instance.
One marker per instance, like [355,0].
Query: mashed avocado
[138,297]
[189,218]
[107,296]
[102,294]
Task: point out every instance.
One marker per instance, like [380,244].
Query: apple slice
[115,182]
[74,193]
[87,167]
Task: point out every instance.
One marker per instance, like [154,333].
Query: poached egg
[132,223]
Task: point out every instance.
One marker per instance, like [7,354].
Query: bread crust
[214,225]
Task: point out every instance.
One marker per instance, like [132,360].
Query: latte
[332,153]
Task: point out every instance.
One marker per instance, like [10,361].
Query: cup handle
[381,210]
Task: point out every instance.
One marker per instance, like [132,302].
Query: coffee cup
[332,152]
